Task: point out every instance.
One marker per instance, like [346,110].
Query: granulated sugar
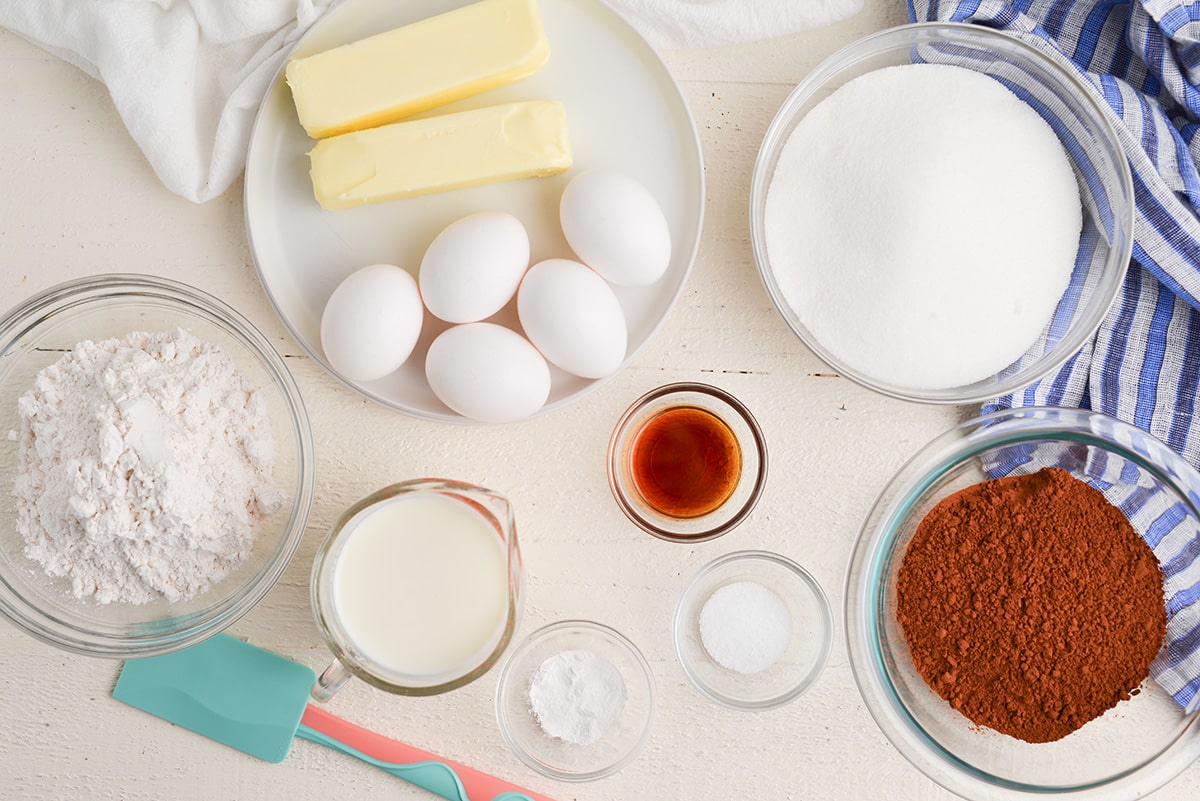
[145,467]
[923,222]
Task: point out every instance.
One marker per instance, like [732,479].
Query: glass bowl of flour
[942,213]
[156,466]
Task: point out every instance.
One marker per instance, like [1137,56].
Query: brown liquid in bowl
[686,462]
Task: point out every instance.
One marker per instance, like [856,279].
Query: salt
[922,222]
[745,627]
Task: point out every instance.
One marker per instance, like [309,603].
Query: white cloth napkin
[186,76]
[677,24]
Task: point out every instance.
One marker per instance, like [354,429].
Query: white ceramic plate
[624,111]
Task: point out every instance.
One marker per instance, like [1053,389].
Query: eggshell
[616,227]
[371,322]
[487,372]
[573,317]
[473,267]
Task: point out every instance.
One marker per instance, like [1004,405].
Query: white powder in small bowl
[923,222]
[745,627]
[577,696]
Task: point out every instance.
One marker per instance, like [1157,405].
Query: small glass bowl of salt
[575,701]
[753,630]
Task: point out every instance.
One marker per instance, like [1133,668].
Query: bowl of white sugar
[156,466]
[942,213]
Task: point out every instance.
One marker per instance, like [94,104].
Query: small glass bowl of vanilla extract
[687,462]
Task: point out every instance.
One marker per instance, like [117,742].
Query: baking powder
[577,696]
[145,467]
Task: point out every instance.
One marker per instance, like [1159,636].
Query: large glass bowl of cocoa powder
[156,465]
[1014,603]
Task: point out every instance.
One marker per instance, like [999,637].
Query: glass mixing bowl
[35,334]
[1063,99]
[1129,751]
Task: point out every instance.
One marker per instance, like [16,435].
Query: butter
[416,67]
[437,154]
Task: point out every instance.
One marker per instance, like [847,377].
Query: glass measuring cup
[417,587]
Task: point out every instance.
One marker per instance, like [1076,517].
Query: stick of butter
[437,154]
[416,67]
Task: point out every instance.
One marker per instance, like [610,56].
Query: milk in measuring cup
[420,585]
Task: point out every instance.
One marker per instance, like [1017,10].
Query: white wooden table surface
[76,198]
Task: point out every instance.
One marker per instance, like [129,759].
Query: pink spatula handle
[379,749]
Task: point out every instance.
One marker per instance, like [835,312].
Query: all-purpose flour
[145,467]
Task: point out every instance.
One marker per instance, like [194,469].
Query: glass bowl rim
[806,579]
[67,297]
[891,39]
[863,598]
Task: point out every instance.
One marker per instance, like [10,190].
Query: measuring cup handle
[330,681]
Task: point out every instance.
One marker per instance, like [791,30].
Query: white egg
[487,372]
[616,227]
[473,267]
[573,317]
[371,322]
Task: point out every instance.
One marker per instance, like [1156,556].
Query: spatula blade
[225,689]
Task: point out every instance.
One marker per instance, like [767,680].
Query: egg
[573,317]
[487,372]
[616,227]
[371,322]
[472,268]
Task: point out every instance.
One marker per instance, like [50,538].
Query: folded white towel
[186,76]
[675,24]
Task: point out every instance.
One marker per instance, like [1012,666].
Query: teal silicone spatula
[257,702]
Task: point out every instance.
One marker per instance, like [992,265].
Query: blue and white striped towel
[1143,60]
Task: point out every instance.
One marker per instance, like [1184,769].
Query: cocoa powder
[1030,604]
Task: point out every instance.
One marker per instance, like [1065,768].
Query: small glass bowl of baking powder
[753,630]
[575,701]
[65,610]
